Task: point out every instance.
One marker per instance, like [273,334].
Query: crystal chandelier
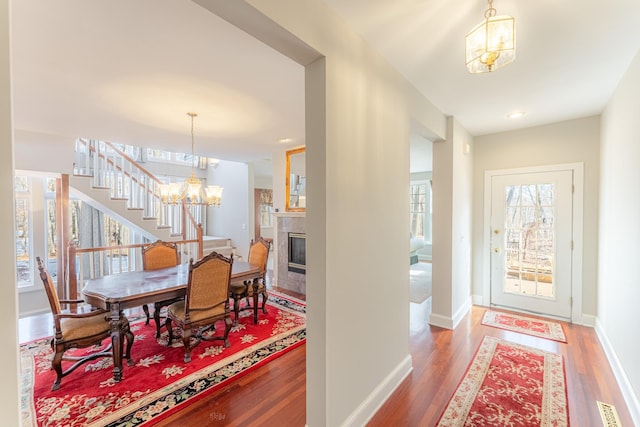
[191,190]
[492,43]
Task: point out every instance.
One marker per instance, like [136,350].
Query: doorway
[533,220]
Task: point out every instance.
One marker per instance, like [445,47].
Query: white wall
[619,288]
[452,195]
[357,138]
[9,392]
[573,141]
[233,218]
[44,152]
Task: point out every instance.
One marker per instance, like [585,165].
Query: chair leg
[186,335]
[130,339]
[145,308]
[255,307]
[227,328]
[156,319]
[236,308]
[56,364]
[167,323]
[265,296]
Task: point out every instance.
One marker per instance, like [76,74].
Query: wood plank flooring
[274,395]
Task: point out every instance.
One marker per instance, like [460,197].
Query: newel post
[200,233]
[72,276]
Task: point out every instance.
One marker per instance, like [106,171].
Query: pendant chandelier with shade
[191,190]
[492,43]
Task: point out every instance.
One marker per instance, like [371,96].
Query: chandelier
[492,43]
[191,191]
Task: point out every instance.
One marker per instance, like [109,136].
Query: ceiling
[129,71]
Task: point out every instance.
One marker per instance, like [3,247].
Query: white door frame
[577,230]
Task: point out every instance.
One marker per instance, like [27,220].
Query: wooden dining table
[117,292]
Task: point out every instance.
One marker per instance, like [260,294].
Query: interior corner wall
[452,195]
[573,141]
[618,289]
[279,179]
[362,128]
[9,392]
[50,156]
[233,218]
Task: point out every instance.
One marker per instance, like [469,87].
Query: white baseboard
[368,408]
[588,320]
[621,377]
[478,300]
[450,322]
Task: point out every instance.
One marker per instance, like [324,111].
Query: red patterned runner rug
[509,384]
[525,325]
[159,383]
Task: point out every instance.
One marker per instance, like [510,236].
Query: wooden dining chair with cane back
[258,255]
[205,303]
[155,256]
[82,327]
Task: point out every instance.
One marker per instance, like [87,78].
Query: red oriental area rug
[525,325]
[509,384]
[159,383]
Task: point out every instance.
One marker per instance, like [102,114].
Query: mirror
[295,187]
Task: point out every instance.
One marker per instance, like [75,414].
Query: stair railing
[89,263]
[112,168]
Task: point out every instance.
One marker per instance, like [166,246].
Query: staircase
[100,198]
[221,245]
[110,180]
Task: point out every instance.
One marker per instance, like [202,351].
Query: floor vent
[609,415]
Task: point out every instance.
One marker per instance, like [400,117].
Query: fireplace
[297,261]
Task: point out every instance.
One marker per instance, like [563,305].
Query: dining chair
[155,256]
[205,303]
[83,327]
[258,255]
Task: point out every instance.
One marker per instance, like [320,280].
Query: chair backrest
[49,287]
[209,281]
[159,255]
[259,253]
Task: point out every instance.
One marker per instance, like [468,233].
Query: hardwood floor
[274,394]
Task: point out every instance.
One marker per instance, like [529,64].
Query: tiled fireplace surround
[287,222]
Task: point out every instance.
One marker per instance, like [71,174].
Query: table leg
[255,285]
[116,341]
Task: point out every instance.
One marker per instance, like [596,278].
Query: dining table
[117,292]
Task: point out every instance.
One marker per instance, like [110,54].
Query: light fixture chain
[491,12]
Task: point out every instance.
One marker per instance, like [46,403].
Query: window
[420,209]
[168,156]
[162,155]
[266,208]
[23,230]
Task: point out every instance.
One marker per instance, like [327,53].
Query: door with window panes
[531,242]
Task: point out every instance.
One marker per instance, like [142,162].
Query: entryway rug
[525,325]
[419,282]
[509,384]
[159,383]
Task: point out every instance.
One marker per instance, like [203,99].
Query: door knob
[496,250]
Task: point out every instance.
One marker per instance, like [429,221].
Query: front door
[531,242]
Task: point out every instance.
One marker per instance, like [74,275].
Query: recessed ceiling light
[285,140]
[516,114]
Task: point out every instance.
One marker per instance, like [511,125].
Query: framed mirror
[295,186]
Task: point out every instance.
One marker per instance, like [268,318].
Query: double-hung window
[420,209]
[23,231]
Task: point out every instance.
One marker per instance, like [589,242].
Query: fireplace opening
[297,261]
